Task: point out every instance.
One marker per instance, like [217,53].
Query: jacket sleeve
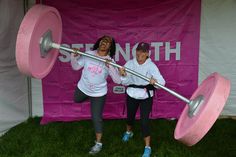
[125,80]
[154,71]
[77,62]
[114,73]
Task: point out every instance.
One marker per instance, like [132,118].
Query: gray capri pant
[97,105]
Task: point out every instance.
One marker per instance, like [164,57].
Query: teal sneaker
[147,152]
[127,135]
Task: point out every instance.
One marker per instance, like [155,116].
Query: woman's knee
[77,99]
[79,96]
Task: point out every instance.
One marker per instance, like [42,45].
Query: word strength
[170,51]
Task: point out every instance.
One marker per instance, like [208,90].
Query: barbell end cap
[195,105]
[45,43]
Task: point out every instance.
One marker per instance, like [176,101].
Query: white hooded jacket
[148,69]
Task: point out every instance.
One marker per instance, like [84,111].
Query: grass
[74,139]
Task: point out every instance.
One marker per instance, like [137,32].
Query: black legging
[145,109]
[96,107]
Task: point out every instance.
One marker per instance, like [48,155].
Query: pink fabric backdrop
[159,22]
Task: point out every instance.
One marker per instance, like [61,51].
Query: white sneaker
[96,148]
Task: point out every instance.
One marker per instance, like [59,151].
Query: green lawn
[74,139]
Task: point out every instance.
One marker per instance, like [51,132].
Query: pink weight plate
[38,20]
[215,89]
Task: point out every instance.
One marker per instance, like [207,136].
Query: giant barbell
[37,45]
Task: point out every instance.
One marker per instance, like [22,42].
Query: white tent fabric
[13,85]
[217,54]
[217,45]
[37,98]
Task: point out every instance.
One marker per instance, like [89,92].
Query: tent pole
[29,82]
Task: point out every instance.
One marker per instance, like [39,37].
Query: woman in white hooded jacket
[140,92]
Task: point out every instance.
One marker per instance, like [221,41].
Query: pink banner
[172,27]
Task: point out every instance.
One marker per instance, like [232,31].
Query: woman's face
[105,44]
[141,56]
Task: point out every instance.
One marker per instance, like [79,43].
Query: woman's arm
[157,75]
[114,73]
[124,76]
[77,62]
